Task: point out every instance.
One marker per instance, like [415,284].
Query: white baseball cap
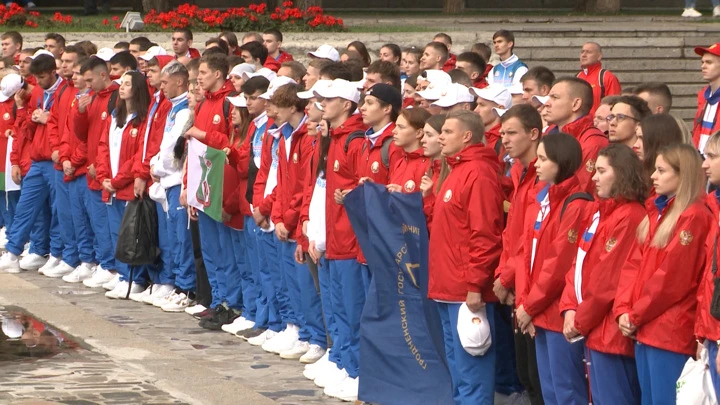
[455,93]
[319,106]
[474,330]
[326,51]
[12,328]
[435,76]
[497,94]
[105,54]
[434,91]
[499,111]
[516,89]
[541,99]
[157,193]
[238,101]
[10,84]
[40,52]
[264,72]
[152,52]
[338,88]
[275,84]
[307,95]
[238,70]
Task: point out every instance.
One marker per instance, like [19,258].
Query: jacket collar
[226,88]
[470,153]
[577,127]
[592,68]
[559,192]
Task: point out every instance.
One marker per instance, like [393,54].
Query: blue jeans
[691,3]
[178,230]
[65,220]
[347,293]
[473,377]
[658,371]
[613,379]
[561,368]
[84,235]
[251,286]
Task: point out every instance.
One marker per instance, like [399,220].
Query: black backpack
[582,195]
[384,152]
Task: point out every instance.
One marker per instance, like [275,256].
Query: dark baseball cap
[386,93]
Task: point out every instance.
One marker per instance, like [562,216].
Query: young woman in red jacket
[118,144]
[553,225]
[437,170]
[591,285]
[657,295]
[407,173]
[707,326]
[654,133]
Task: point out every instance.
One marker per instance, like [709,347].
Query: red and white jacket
[706,325]
[465,241]
[550,246]
[660,294]
[122,142]
[592,282]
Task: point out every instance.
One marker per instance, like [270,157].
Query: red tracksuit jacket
[260,201]
[539,284]
[706,326]
[611,82]
[7,122]
[592,140]
[409,170]
[661,294]
[141,168]
[525,187]
[89,127]
[209,118]
[341,174]
[71,149]
[465,242]
[370,163]
[291,180]
[606,252]
[60,112]
[123,181]
[37,134]
[240,159]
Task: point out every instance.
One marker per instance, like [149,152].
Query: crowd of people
[578,220]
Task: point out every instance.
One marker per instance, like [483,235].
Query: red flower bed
[16,16]
[256,17]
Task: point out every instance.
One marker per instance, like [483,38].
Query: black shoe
[223,316]
[249,333]
[206,314]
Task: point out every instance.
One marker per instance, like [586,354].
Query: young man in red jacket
[465,246]
[182,39]
[521,127]
[348,294]
[272,40]
[39,185]
[603,82]
[294,155]
[89,116]
[212,127]
[568,111]
[706,120]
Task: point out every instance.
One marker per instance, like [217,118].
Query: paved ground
[140,355]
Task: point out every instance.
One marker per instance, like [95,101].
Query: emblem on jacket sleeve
[336,166]
[685,238]
[6,116]
[590,165]
[375,167]
[133,132]
[610,244]
[295,158]
[216,119]
[103,115]
[448,196]
[572,236]
[410,186]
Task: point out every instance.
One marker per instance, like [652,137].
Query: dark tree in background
[453,6]
[158,5]
[598,6]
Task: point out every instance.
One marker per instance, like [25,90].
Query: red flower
[287,4]
[106,22]
[115,18]
[34,14]
[117,26]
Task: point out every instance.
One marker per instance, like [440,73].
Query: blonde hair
[713,143]
[687,164]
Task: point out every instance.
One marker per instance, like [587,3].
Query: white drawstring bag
[695,385]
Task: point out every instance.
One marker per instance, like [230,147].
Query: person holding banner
[115,158]
[589,293]
[550,246]
[520,129]
[340,99]
[465,246]
[407,173]
[656,300]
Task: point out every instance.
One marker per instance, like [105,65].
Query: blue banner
[402,355]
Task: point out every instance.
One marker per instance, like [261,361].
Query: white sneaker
[10,263]
[34,262]
[716,11]
[110,285]
[159,291]
[50,264]
[164,294]
[61,270]
[26,251]
[297,351]
[195,309]
[312,355]
[121,290]
[176,303]
[284,341]
[80,274]
[139,297]
[692,13]
[237,325]
[346,391]
[260,339]
[330,376]
[99,277]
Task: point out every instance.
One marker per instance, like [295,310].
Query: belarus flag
[205,175]
[6,181]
